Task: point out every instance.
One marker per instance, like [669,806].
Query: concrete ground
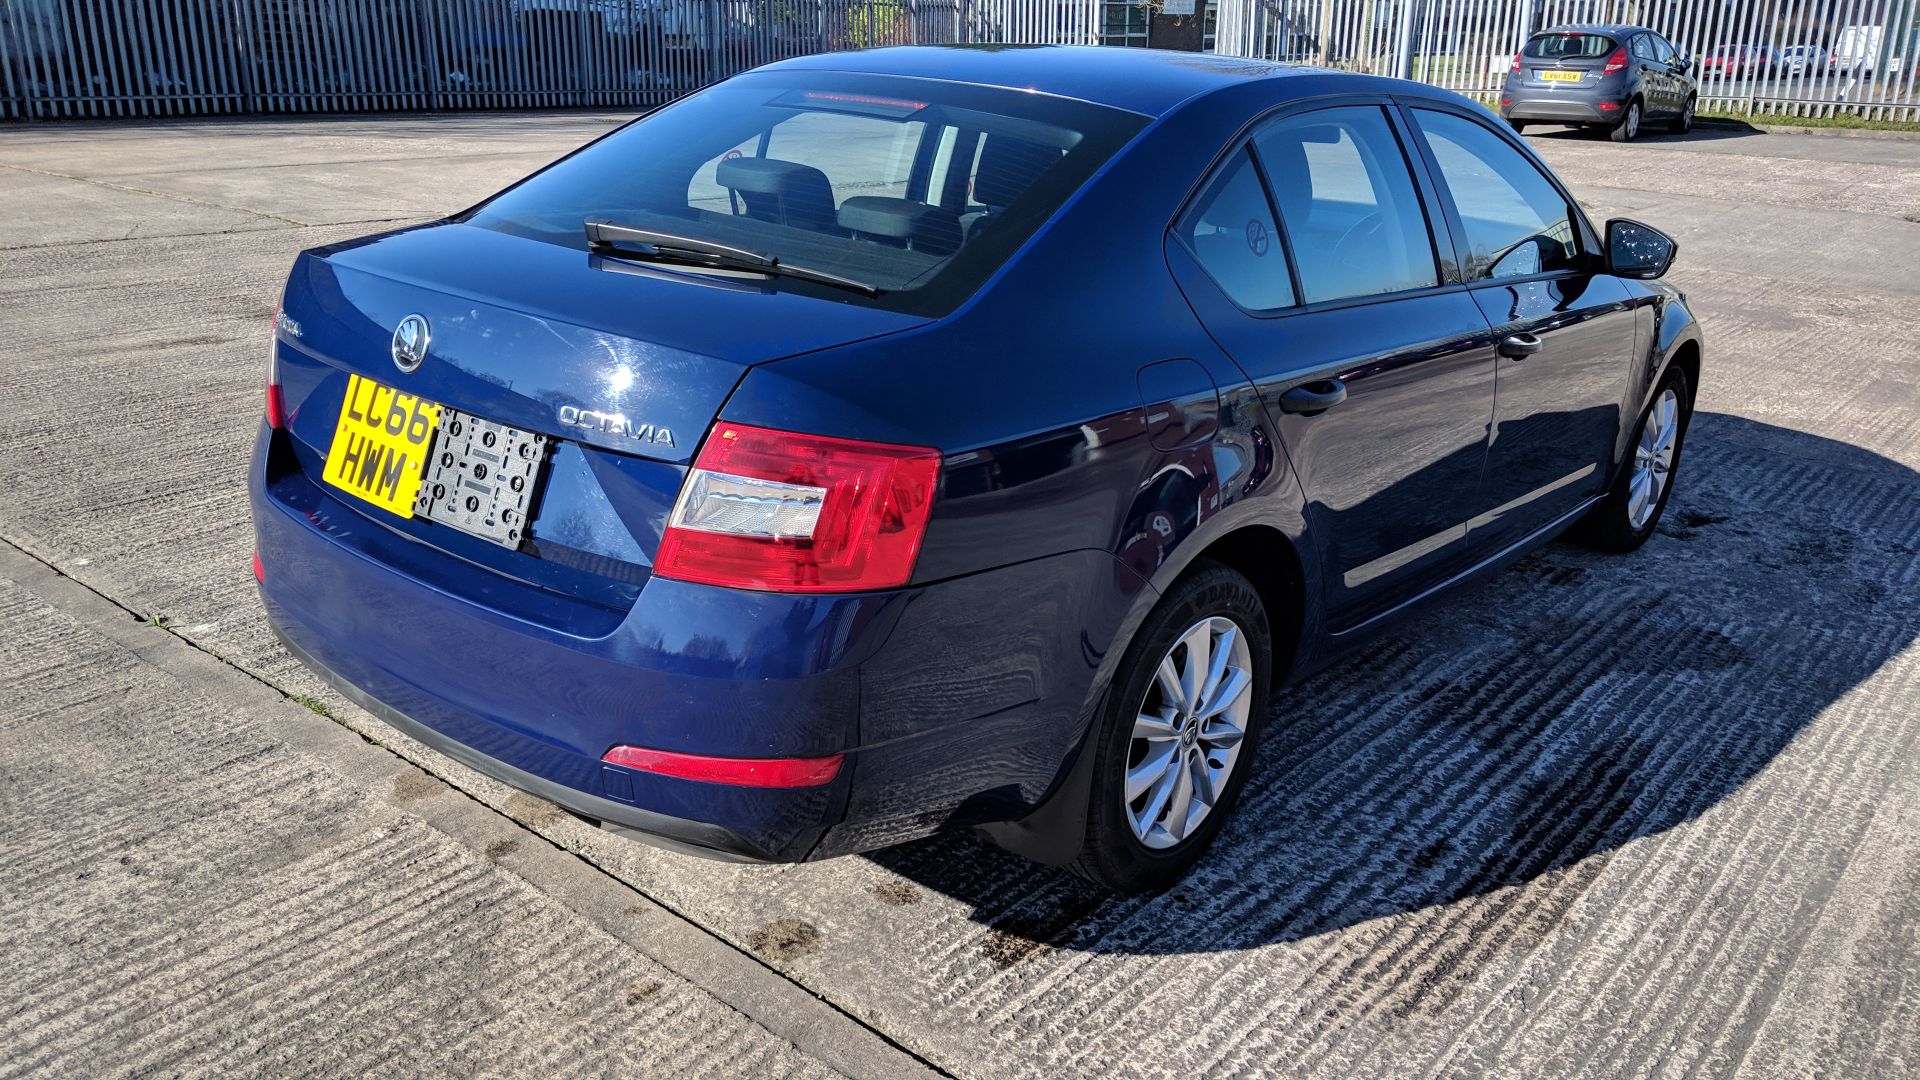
[1646,815]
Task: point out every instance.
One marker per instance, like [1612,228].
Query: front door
[1563,327]
[1655,88]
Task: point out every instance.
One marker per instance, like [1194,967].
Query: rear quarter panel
[1032,392]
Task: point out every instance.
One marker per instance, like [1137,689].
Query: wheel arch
[1267,558]
[1261,551]
[1686,360]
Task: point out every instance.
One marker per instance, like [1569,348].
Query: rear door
[1565,327]
[1310,258]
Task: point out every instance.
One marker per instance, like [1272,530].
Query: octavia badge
[616,424]
[410,342]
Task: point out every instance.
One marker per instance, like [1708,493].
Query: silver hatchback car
[1617,78]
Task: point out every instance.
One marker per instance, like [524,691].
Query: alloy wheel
[1653,459]
[1188,732]
[1633,120]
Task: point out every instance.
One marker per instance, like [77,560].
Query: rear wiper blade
[630,241]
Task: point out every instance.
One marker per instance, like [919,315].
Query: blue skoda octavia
[886,443]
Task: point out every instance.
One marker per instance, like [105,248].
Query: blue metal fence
[120,58]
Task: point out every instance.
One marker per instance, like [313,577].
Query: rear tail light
[784,512]
[742,772]
[276,407]
[1515,66]
[1616,63]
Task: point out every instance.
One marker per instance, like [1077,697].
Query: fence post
[581,82]
[1403,44]
[243,48]
[431,67]
[21,102]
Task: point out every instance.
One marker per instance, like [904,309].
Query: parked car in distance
[1616,78]
[879,444]
[1795,59]
[1734,61]
[1867,52]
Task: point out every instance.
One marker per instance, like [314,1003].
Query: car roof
[1147,81]
[1609,29]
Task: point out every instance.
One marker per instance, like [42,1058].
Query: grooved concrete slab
[186,893]
[1651,815]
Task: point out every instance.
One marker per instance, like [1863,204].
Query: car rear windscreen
[1568,46]
[918,188]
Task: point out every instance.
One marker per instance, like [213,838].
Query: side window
[1348,202]
[1643,46]
[868,156]
[705,192]
[1663,50]
[1517,223]
[1005,166]
[1230,231]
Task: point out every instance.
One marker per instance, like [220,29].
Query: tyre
[1629,125]
[1632,507]
[1177,732]
[1682,124]
[1519,126]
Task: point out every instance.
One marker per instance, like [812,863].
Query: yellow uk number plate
[1561,76]
[380,445]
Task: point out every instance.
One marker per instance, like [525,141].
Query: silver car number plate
[481,477]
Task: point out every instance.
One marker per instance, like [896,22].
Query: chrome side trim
[1394,560]
[1493,515]
[1548,529]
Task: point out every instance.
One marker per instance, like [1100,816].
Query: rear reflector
[783,512]
[259,572]
[742,772]
[1608,106]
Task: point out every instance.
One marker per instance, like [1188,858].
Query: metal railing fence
[119,58]
[1790,56]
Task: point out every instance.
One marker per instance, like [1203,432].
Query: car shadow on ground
[1535,723]
[1655,132]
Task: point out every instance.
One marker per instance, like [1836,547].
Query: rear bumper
[955,703]
[1558,108]
[676,834]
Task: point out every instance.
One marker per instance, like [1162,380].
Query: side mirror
[1686,64]
[1635,250]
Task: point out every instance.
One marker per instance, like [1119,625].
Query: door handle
[1309,399]
[1521,346]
